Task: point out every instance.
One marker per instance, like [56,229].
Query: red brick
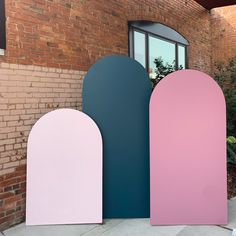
[13,199]
[9,182]
[8,206]
[6,195]
[7,219]
[12,205]
[71,36]
[223,24]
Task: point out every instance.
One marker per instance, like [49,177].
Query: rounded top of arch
[159,29]
[191,80]
[118,67]
[61,118]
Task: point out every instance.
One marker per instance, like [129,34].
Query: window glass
[160,49]
[139,48]
[181,57]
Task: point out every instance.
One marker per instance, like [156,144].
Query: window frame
[132,28]
[2,25]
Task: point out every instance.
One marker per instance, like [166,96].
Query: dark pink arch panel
[188,150]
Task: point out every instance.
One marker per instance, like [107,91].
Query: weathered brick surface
[12,197]
[74,34]
[223,26]
[26,93]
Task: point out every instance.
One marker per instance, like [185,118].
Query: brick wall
[12,197]
[223,25]
[26,93]
[73,34]
[50,46]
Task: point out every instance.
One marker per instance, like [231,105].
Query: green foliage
[231,149]
[162,70]
[226,78]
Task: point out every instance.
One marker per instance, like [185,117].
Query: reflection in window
[139,48]
[181,57]
[161,49]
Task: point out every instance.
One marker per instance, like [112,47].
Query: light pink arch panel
[188,150]
[64,170]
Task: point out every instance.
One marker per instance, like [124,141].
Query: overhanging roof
[209,4]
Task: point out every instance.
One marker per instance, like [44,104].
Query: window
[2,25]
[139,48]
[149,41]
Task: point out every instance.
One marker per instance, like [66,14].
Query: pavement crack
[224,227]
[90,230]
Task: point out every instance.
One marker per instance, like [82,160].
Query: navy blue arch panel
[116,94]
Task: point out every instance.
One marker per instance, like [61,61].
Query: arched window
[149,41]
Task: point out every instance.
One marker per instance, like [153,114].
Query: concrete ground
[126,227]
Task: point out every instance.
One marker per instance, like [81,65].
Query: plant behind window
[162,69]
